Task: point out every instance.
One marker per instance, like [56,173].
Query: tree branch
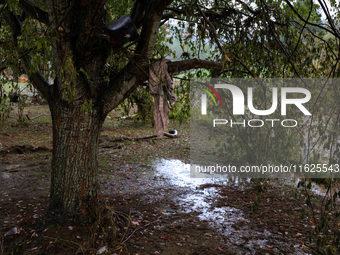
[235,70]
[329,18]
[119,93]
[272,31]
[303,28]
[137,69]
[138,12]
[193,64]
[310,23]
[316,36]
[167,16]
[213,29]
[150,28]
[35,77]
[34,11]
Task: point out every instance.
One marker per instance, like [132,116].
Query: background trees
[67,40]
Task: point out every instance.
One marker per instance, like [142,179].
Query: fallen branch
[171,134]
[37,116]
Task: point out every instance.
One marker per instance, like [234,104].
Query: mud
[169,212]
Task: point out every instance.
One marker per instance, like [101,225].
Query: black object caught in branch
[14,97]
[122,30]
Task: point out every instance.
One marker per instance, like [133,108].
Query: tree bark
[74,180]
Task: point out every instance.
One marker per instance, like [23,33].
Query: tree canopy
[67,40]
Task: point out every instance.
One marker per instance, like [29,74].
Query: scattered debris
[13,231]
[102,250]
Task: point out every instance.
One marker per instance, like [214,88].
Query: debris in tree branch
[14,97]
[122,30]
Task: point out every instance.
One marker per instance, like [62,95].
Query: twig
[64,240]
[140,228]
[127,228]
[158,220]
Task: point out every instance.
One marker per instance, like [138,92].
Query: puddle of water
[218,218]
[178,173]
[198,200]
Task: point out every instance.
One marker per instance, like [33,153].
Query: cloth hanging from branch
[161,88]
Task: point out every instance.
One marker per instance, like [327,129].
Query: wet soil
[157,208]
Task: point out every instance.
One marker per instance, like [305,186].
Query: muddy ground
[153,206]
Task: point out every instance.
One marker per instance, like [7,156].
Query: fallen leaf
[165,238]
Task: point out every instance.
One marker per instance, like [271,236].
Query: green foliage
[5,109]
[272,143]
[117,9]
[144,101]
[260,188]
[87,106]
[325,216]
[21,106]
[17,248]
[163,47]
[181,108]
[255,38]
[264,39]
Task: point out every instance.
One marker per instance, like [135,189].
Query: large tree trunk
[74,184]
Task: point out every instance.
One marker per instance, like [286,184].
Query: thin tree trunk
[74,180]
